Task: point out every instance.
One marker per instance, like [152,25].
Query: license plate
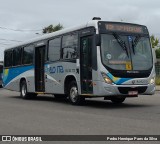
[133,93]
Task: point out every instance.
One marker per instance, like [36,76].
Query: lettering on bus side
[55,69]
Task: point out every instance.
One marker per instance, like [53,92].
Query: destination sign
[124,28]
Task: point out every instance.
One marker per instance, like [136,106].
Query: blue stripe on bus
[118,80]
[11,73]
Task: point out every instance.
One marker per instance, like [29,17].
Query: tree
[154,41]
[157,53]
[52,28]
[155,44]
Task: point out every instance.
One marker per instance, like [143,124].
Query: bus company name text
[55,69]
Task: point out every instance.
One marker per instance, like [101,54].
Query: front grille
[125,90]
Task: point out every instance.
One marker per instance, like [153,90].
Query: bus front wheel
[118,100]
[73,95]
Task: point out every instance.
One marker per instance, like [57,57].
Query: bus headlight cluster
[106,78]
[152,81]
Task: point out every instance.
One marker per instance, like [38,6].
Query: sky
[31,16]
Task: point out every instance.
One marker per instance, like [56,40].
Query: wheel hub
[73,94]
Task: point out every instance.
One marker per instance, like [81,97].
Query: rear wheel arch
[24,90]
[20,82]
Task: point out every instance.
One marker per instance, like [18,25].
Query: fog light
[152,81]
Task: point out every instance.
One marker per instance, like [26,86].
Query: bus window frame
[77,48]
[5,58]
[47,46]
[20,55]
[22,63]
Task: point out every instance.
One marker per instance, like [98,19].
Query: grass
[158,80]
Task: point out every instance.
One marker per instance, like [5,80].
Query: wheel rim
[24,90]
[73,94]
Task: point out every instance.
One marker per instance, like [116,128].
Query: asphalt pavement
[48,116]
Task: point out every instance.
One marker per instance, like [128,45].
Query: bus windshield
[126,52]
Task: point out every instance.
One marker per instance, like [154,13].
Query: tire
[74,98]
[23,92]
[117,100]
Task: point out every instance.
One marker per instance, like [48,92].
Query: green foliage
[158,53]
[157,80]
[154,41]
[52,28]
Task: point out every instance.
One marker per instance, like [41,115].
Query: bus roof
[63,31]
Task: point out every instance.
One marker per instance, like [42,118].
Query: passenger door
[86,43]
[39,69]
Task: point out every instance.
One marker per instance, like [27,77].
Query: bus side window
[69,46]
[54,49]
[17,56]
[28,54]
[8,58]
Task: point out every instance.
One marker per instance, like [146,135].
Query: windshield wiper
[135,42]
[121,43]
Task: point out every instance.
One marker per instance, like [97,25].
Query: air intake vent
[125,90]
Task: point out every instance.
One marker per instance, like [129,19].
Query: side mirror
[98,40]
[154,56]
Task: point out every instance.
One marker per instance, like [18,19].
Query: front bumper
[104,89]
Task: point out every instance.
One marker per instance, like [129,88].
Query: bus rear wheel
[118,100]
[73,95]
[23,90]
[24,93]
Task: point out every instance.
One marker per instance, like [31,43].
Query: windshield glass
[126,52]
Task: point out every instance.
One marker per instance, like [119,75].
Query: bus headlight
[106,78]
[152,81]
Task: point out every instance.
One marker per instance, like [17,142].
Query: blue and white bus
[96,59]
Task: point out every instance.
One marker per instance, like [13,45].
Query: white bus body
[83,62]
